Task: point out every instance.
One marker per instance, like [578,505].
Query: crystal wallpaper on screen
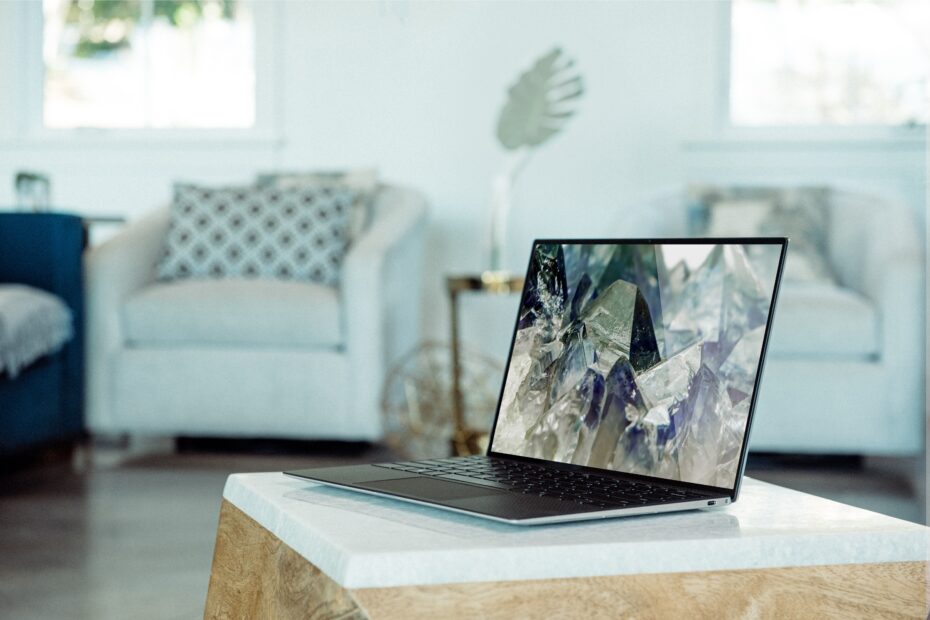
[638,358]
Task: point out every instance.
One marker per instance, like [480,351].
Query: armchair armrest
[112,272]
[381,287]
[884,261]
[896,287]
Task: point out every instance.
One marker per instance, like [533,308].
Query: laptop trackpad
[425,488]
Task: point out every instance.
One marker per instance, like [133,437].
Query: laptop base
[497,504]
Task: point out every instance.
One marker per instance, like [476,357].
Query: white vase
[501,204]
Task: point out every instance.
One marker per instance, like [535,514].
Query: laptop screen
[639,357]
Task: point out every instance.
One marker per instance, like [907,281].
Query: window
[153,64]
[829,62]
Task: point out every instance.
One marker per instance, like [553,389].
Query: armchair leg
[82,455]
[114,450]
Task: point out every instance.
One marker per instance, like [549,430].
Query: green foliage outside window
[105,26]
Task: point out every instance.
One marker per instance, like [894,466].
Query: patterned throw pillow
[296,233]
[801,213]
[362,180]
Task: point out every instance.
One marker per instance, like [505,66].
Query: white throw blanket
[33,323]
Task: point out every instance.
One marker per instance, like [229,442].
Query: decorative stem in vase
[501,203]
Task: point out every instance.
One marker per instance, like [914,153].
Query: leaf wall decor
[540,102]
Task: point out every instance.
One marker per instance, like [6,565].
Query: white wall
[418,94]
[415,88]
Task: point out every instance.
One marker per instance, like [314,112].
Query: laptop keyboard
[519,477]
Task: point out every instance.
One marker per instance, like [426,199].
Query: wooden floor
[140,535]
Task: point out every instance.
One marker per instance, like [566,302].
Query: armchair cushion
[820,319]
[260,313]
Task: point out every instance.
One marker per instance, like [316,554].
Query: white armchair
[845,367]
[857,387]
[259,358]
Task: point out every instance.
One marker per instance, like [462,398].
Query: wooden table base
[255,575]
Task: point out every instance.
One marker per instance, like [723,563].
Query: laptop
[629,389]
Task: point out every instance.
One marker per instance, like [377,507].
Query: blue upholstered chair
[45,402]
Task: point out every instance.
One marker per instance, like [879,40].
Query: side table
[467,441]
[287,548]
[90,221]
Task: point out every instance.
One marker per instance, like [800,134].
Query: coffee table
[287,548]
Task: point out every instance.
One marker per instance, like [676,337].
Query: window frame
[31,128]
[727,131]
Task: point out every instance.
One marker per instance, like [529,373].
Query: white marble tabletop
[365,542]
